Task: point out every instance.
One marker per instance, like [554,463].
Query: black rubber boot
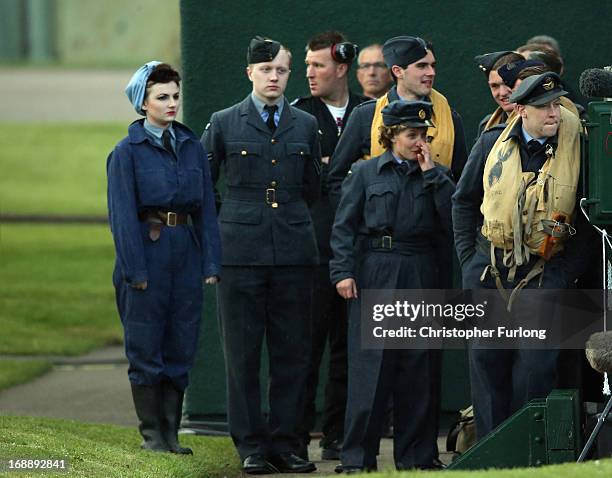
[172,411]
[147,404]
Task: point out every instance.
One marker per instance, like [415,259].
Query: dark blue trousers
[271,303]
[161,324]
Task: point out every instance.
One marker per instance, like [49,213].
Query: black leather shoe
[331,450]
[258,465]
[354,470]
[291,463]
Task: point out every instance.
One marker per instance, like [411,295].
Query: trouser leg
[335,391]
[491,381]
[319,329]
[242,305]
[415,408]
[289,343]
[183,327]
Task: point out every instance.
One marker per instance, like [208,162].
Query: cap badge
[549,84]
[422,114]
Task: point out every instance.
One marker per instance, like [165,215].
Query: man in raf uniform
[328,60]
[489,63]
[270,155]
[509,174]
[413,67]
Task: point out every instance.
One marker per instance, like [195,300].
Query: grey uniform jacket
[271,179]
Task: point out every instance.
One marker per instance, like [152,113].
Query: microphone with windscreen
[596,83]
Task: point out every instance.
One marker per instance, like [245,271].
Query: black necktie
[167,142]
[402,168]
[270,121]
[533,146]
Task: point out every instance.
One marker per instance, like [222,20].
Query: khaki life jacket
[527,213]
[442,136]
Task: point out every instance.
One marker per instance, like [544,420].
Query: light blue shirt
[527,137]
[259,105]
[155,134]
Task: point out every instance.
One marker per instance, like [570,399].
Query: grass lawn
[56,295]
[108,451]
[111,451]
[56,168]
[14,372]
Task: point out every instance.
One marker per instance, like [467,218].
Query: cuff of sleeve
[336,277]
[137,277]
[211,270]
[432,176]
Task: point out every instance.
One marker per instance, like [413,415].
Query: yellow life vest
[569,104]
[522,209]
[496,118]
[442,136]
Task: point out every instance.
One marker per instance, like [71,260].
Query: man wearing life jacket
[519,190]
[489,63]
[413,67]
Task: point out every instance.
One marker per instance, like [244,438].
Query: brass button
[274,140]
[274,162]
[274,205]
[301,153]
[243,152]
[273,184]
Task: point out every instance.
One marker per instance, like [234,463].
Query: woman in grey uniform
[393,231]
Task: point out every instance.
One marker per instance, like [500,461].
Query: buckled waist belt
[158,219]
[271,196]
[388,243]
[167,218]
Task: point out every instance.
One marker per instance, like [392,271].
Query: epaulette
[495,127]
[298,99]
[369,102]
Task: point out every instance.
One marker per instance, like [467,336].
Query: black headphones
[344,52]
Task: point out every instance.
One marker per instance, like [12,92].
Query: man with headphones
[328,60]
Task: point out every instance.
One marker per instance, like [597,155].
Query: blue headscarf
[135,89]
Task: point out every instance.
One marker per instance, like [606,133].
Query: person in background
[489,64]
[164,225]
[328,60]
[372,72]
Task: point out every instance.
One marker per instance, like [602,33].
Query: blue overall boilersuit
[161,323]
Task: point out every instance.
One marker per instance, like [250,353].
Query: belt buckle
[271,197]
[171,219]
[387,242]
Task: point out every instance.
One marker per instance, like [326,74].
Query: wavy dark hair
[162,73]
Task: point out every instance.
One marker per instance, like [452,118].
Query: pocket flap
[302,149]
[297,213]
[241,212]
[378,189]
[244,149]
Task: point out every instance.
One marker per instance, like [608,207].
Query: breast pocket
[193,185]
[242,161]
[153,186]
[380,204]
[298,154]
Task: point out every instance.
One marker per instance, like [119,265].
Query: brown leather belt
[159,219]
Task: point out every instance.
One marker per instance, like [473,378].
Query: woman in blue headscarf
[163,219]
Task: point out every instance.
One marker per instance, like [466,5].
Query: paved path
[65,95]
